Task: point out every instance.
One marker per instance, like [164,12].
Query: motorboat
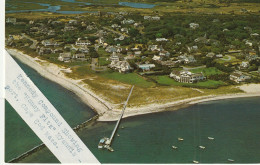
[180,139]
[202,147]
[174,147]
[195,161]
[210,138]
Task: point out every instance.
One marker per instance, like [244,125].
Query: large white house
[238,77]
[186,76]
[121,66]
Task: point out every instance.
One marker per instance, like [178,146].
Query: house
[156,18]
[147,17]
[194,25]
[157,58]
[168,63]
[50,43]
[51,33]
[155,48]
[192,48]
[65,57]
[244,65]
[128,21]
[83,49]
[121,66]
[136,25]
[91,27]
[254,34]
[137,53]
[43,50]
[186,59]
[115,26]
[69,28]
[101,40]
[210,55]
[81,42]
[73,22]
[219,55]
[34,29]
[31,22]
[187,76]
[115,57]
[121,38]
[215,20]
[55,22]
[124,30]
[161,39]
[146,67]
[247,42]
[80,56]
[10,20]
[238,77]
[201,40]
[164,53]
[150,18]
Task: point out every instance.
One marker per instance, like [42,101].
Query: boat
[103,143]
[118,135]
[195,161]
[110,149]
[174,147]
[202,147]
[122,127]
[231,160]
[210,138]
[180,139]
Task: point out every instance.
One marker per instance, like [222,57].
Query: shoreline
[105,109]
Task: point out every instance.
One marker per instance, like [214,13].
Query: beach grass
[130,78]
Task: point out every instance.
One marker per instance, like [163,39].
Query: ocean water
[19,137]
[234,124]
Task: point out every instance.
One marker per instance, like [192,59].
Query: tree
[93,53]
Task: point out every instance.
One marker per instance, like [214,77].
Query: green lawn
[129,78]
[207,71]
[227,59]
[103,61]
[165,80]
[103,53]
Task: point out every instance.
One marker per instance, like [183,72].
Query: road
[116,32]
[35,42]
[185,68]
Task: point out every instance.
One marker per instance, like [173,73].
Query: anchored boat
[174,147]
[180,139]
[202,147]
[210,138]
[195,161]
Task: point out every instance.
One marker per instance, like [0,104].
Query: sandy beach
[104,108]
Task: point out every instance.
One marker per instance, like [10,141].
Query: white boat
[118,135]
[231,160]
[180,139]
[174,147]
[202,147]
[210,138]
[195,161]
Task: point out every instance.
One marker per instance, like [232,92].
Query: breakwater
[41,146]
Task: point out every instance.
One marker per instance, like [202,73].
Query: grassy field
[130,78]
[207,71]
[165,80]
